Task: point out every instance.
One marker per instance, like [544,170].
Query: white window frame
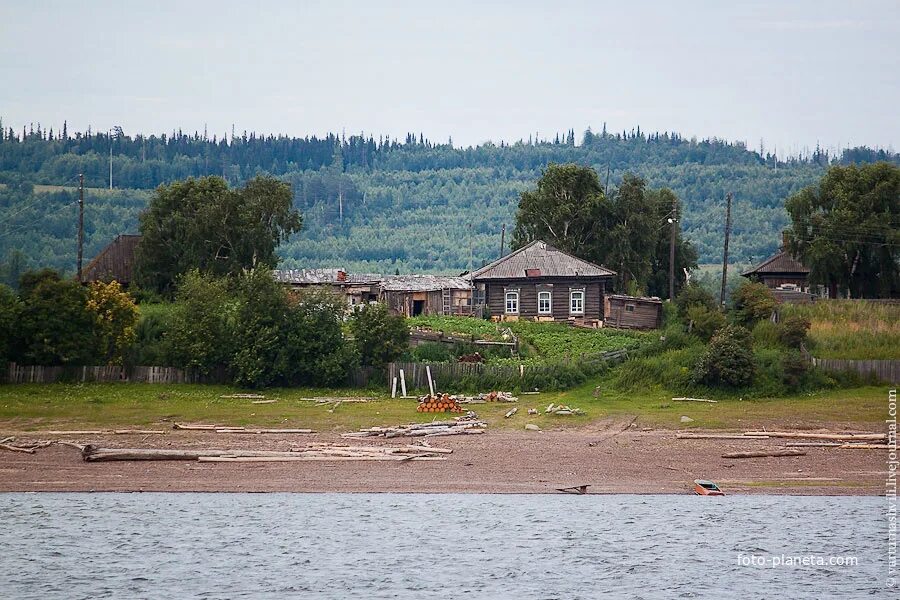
[572,294]
[549,310]
[514,295]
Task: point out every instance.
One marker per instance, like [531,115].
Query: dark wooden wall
[495,295]
[646,315]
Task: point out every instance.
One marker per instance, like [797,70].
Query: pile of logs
[442,403]
[488,397]
[463,426]
[312,452]
[227,429]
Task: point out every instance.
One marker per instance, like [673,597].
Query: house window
[629,308]
[576,303]
[512,302]
[545,303]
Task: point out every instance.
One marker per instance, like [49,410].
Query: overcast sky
[790,73]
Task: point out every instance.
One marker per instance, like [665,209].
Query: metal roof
[781,262]
[651,299]
[540,257]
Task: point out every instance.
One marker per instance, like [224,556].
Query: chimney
[341,275]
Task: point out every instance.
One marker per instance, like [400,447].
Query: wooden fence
[42,374]
[887,371]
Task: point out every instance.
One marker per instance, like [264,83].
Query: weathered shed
[414,295]
[633,312]
[114,263]
[542,283]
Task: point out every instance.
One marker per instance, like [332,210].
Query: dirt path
[611,457]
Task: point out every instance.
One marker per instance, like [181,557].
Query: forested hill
[382,205]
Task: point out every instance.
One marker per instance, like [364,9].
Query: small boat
[707,488]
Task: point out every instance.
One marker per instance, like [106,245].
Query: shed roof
[322,276]
[781,262]
[645,299]
[423,283]
[540,259]
[114,262]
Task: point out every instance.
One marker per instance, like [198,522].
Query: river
[411,546]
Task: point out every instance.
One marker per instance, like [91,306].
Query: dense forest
[377,204]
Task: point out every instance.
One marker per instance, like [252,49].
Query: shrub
[703,322]
[379,336]
[728,360]
[792,331]
[9,318]
[693,295]
[199,332]
[752,302]
[115,317]
[765,335]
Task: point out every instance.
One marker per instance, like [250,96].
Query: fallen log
[865,446]
[17,449]
[317,452]
[75,432]
[314,458]
[195,426]
[261,431]
[718,436]
[693,400]
[764,454]
[575,489]
[139,432]
[264,402]
[813,444]
[7,440]
[243,396]
[820,436]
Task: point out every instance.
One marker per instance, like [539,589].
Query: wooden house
[633,312]
[408,295]
[414,295]
[787,277]
[356,288]
[114,263]
[541,283]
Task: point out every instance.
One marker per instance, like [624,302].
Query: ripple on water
[410,546]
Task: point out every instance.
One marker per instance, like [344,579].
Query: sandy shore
[610,457]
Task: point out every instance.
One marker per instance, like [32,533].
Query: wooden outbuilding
[114,263]
[541,283]
[414,295]
[633,312]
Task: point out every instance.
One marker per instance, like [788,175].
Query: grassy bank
[80,406]
[852,329]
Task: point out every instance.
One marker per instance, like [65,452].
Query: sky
[787,75]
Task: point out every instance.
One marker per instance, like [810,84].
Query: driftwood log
[820,436]
[764,454]
[718,436]
[321,452]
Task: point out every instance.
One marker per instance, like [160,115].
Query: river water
[411,546]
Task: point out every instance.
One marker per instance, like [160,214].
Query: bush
[199,333]
[728,360]
[379,336]
[693,295]
[9,318]
[703,322]
[792,331]
[752,302]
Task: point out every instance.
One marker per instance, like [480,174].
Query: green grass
[80,406]
[851,329]
[540,340]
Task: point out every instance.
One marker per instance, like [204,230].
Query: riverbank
[622,444]
[611,457]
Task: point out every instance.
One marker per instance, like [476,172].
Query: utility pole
[674,221]
[725,253]
[110,161]
[80,222]
[502,239]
